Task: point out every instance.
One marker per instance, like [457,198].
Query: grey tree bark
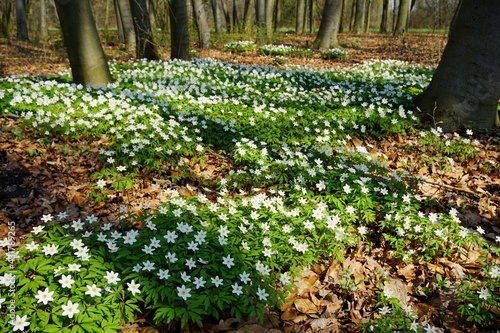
[21,20]
[125,23]
[359,18]
[403,15]
[261,21]
[43,31]
[179,37]
[299,19]
[145,46]
[216,16]
[329,27]
[465,88]
[86,56]
[201,24]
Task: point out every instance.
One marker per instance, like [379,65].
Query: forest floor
[36,180]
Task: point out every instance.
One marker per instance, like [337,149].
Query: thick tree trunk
[328,29]
[145,46]
[384,23]
[359,19]
[403,15]
[465,88]
[86,56]
[21,20]
[179,36]
[201,24]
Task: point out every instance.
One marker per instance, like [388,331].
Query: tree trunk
[248,16]
[276,15]
[269,18]
[86,56]
[465,88]
[360,16]
[5,23]
[201,24]
[152,15]
[343,27]
[236,17]
[312,9]
[261,21]
[21,21]
[179,36]
[384,23]
[216,16]
[145,46]
[227,16]
[403,15]
[126,21]
[328,29]
[299,18]
[43,31]
[368,11]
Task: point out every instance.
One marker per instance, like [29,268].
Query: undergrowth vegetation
[297,191]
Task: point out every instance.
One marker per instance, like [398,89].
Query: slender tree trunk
[119,25]
[201,24]
[179,35]
[145,46]
[384,23]
[261,21]
[276,15]
[306,15]
[106,20]
[395,11]
[299,18]
[43,31]
[342,25]
[368,11]
[227,16]
[269,18]
[236,17]
[465,88]
[328,29]
[152,15]
[248,16]
[21,20]
[86,56]
[312,9]
[216,16]
[126,22]
[360,16]
[5,23]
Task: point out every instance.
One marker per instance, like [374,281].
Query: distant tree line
[30,19]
